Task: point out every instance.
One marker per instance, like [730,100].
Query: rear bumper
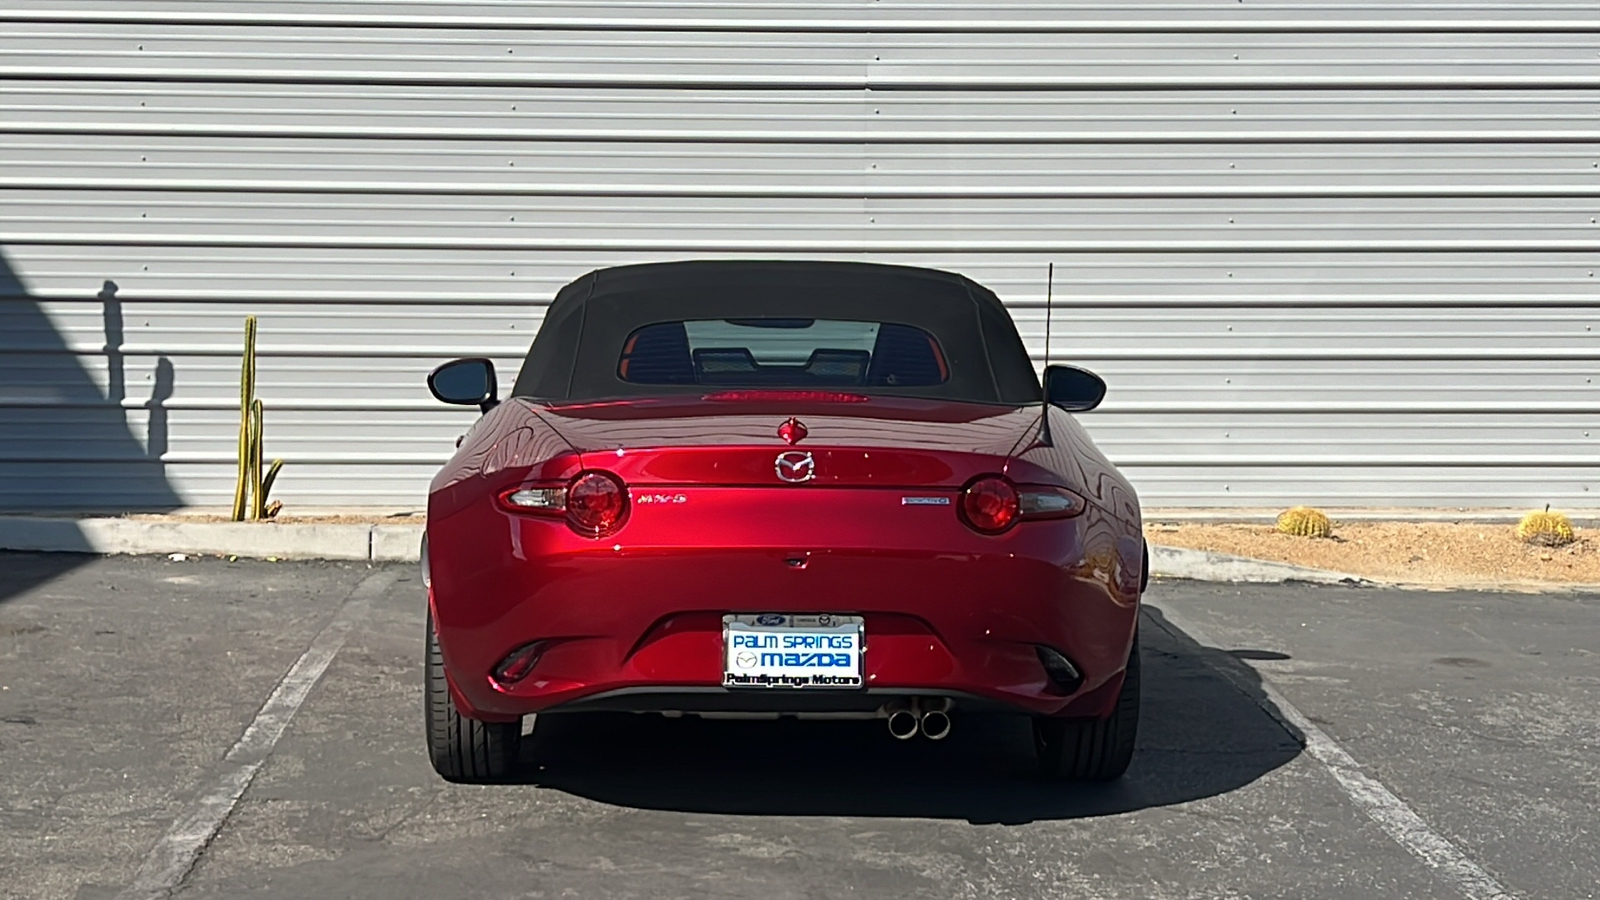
[713,701]
[638,625]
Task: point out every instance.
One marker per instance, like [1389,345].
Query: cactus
[1550,529]
[1303,521]
[251,489]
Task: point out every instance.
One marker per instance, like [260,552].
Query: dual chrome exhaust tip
[928,716]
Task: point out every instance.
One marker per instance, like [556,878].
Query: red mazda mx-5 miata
[781,488]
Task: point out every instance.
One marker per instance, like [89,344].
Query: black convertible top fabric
[575,354]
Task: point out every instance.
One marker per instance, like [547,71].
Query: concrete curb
[392,543]
[1207,565]
[300,540]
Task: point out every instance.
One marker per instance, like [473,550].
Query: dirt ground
[1407,552]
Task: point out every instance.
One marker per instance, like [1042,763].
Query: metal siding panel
[1249,114]
[1339,255]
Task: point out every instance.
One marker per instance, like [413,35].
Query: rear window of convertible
[780,352]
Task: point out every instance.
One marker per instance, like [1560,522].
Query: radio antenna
[1049,305]
[1049,296]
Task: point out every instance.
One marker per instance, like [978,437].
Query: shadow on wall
[66,445]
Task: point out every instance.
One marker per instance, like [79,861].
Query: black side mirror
[466,382]
[1073,389]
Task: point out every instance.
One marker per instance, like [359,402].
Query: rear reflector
[1060,670]
[518,663]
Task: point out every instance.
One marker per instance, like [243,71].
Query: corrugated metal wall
[1337,252]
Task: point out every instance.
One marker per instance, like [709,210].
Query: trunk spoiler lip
[715,403]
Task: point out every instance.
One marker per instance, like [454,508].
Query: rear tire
[1144,570]
[1092,749]
[462,749]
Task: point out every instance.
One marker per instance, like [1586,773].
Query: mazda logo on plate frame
[795,466]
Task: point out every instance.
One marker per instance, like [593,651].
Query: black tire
[1092,749]
[462,749]
[1144,570]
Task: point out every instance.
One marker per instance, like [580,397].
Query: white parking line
[1378,802]
[174,855]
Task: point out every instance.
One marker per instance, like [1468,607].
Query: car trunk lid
[856,441]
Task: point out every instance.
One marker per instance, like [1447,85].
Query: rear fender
[462,704]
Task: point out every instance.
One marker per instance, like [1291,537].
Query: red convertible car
[781,488]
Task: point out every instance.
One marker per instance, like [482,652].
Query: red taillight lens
[989,505]
[596,503]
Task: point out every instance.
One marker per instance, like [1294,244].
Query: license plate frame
[800,642]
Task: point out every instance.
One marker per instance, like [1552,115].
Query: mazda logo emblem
[795,466]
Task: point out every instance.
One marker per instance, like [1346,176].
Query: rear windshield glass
[780,352]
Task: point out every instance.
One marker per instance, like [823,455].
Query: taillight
[989,505]
[992,504]
[594,503]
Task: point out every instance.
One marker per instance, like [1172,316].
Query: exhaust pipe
[902,724]
[935,724]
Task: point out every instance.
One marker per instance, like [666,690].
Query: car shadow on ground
[1202,733]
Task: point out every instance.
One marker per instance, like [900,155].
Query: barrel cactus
[1549,529]
[1303,521]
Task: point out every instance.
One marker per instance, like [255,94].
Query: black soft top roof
[575,354]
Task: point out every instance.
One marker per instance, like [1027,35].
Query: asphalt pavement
[253,729]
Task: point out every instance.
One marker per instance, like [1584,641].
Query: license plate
[787,651]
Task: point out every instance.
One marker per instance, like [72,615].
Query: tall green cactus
[251,488]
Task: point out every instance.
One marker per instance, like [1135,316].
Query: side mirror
[466,382]
[1073,389]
